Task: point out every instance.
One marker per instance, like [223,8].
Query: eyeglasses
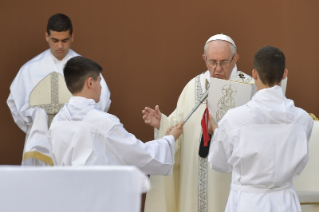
[223,64]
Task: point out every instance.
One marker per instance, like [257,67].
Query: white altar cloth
[52,189]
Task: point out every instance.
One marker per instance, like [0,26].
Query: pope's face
[59,42]
[219,59]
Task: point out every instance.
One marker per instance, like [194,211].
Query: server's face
[59,42]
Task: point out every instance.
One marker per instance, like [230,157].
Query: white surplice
[81,134]
[34,121]
[193,186]
[265,145]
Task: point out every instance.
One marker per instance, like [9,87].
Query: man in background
[34,121]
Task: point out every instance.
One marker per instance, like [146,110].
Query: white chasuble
[264,143]
[32,119]
[82,135]
[193,187]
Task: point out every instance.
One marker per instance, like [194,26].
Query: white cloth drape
[72,189]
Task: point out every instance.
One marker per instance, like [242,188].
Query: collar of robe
[77,108]
[269,105]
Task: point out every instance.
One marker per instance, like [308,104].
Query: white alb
[265,145]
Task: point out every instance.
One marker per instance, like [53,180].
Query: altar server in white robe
[193,186]
[263,143]
[82,134]
[34,121]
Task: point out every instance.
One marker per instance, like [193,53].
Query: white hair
[231,46]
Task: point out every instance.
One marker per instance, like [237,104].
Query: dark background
[150,49]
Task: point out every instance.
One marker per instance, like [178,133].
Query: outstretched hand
[152,117]
[176,130]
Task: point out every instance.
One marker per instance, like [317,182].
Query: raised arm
[176,130]
[154,157]
[152,117]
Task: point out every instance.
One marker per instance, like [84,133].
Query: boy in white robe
[33,121]
[81,134]
[263,143]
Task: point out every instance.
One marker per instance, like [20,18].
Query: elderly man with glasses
[193,186]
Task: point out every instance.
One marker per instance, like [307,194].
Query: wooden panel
[301,34]
[151,49]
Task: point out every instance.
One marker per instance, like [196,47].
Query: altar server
[82,134]
[263,143]
[34,121]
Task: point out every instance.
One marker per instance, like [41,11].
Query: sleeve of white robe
[220,151]
[18,118]
[154,157]
[308,128]
[37,149]
[22,117]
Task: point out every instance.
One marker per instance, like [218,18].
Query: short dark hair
[59,23]
[270,64]
[77,70]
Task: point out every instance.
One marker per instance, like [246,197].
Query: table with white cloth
[307,184]
[52,189]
